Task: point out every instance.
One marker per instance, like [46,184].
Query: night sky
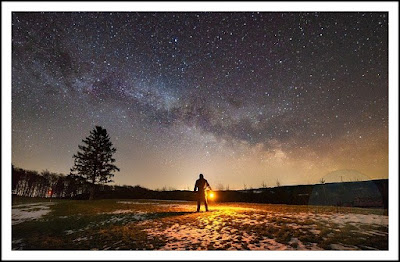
[243,98]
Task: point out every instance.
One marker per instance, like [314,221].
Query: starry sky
[244,98]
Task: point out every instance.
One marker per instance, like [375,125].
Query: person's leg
[205,203]
[198,204]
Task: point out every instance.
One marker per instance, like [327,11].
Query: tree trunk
[92,187]
[91,191]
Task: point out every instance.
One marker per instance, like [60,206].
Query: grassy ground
[172,225]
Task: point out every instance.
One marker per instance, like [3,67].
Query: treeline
[373,193]
[45,184]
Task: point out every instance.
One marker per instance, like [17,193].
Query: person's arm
[208,185]
[195,187]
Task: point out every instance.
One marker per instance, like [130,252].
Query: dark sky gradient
[240,97]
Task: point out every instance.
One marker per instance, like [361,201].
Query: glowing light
[211,195]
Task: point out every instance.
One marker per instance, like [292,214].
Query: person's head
[201,176]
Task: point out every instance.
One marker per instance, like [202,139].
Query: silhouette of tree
[59,188]
[72,185]
[264,185]
[94,162]
[51,179]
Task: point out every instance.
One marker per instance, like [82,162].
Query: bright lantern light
[211,195]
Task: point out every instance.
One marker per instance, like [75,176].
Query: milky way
[243,98]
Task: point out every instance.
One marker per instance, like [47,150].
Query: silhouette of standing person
[201,186]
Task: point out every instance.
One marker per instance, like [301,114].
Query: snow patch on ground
[69,232]
[80,239]
[135,203]
[27,212]
[119,216]
[136,215]
[132,216]
[212,231]
[370,219]
[180,206]
[18,244]
[124,211]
